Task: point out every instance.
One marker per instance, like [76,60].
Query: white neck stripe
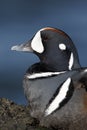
[44,74]
[85,70]
[71,61]
[59,98]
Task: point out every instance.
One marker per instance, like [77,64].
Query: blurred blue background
[19,20]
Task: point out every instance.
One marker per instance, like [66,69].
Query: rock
[17,117]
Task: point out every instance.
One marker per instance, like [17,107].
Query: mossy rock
[16,117]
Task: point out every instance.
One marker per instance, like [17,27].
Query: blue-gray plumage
[55,87]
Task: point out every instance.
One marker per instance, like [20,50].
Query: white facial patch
[59,98]
[44,74]
[62,46]
[71,61]
[36,43]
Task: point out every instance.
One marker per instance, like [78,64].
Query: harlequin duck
[56,86]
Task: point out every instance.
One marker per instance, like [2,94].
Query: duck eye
[45,38]
[62,46]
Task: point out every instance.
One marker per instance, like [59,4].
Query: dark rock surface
[17,117]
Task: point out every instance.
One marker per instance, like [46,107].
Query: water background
[19,20]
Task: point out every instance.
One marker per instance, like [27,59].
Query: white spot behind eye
[59,98]
[37,44]
[62,46]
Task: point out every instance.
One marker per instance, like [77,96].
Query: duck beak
[26,47]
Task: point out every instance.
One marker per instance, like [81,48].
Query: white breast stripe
[36,43]
[59,98]
[71,61]
[44,74]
